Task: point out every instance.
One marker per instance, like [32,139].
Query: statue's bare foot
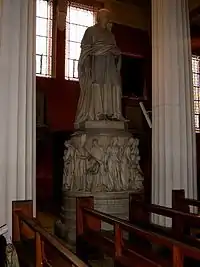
[109,117]
[101,117]
[115,119]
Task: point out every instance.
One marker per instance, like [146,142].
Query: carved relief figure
[69,165]
[113,164]
[97,170]
[127,162]
[99,73]
[81,166]
[139,177]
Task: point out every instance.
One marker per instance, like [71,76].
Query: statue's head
[131,141]
[114,141]
[104,18]
[94,142]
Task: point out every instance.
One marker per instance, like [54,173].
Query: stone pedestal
[113,203]
[173,135]
[101,160]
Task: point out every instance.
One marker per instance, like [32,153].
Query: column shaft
[173,133]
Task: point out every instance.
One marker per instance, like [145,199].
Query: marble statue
[102,157]
[99,73]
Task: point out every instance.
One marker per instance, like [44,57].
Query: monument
[101,158]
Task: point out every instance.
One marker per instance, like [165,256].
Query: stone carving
[102,159]
[113,165]
[81,167]
[139,177]
[127,161]
[91,167]
[69,165]
[99,73]
[97,171]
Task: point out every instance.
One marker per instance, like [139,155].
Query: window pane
[44,9]
[46,63]
[197,122]
[76,69]
[77,21]
[70,68]
[44,14]
[73,32]
[43,64]
[196,89]
[196,93]
[41,45]
[75,50]
[72,14]
[196,81]
[195,65]
[41,27]
[38,64]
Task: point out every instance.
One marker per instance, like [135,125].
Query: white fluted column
[173,135]
[17,105]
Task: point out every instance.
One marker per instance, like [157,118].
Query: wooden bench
[189,206]
[181,203]
[36,247]
[182,221]
[90,239]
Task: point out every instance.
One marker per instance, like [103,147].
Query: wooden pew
[181,203]
[189,206]
[182,221]
[124,253]
[36,247]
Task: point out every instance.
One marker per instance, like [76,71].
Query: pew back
[180,202]
[123,252]
[46,249]
[140,213]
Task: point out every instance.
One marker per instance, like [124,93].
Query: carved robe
[99,76]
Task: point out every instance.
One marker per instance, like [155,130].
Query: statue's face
[94,142]
[104,18]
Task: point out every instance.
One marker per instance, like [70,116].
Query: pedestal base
[112,203]
[103,125]
[101,161]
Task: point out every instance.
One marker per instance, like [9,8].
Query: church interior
[54,220]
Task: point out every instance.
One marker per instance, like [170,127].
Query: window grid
[44,21]
[79,18]
[196,90]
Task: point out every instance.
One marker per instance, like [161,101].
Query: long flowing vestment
[99,76]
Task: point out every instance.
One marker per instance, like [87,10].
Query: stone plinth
[104,124]
[113,203]
[100,161]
